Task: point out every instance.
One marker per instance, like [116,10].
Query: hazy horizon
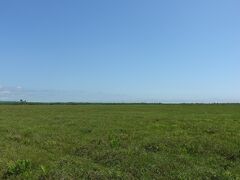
[30,95]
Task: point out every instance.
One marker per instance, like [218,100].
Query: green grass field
[120,141]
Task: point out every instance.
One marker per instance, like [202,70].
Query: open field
[120,141]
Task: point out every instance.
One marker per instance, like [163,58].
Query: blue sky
[128,50]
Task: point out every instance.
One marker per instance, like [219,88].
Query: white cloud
[5,92]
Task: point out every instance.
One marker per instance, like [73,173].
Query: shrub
[17,168]
[114,141]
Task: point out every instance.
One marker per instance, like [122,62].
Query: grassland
[120,141]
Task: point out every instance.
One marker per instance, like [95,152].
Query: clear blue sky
[126,50]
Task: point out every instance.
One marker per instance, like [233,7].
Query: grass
[120,141]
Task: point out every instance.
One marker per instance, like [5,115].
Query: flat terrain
[120,141]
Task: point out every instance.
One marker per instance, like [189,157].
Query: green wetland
[138,141]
